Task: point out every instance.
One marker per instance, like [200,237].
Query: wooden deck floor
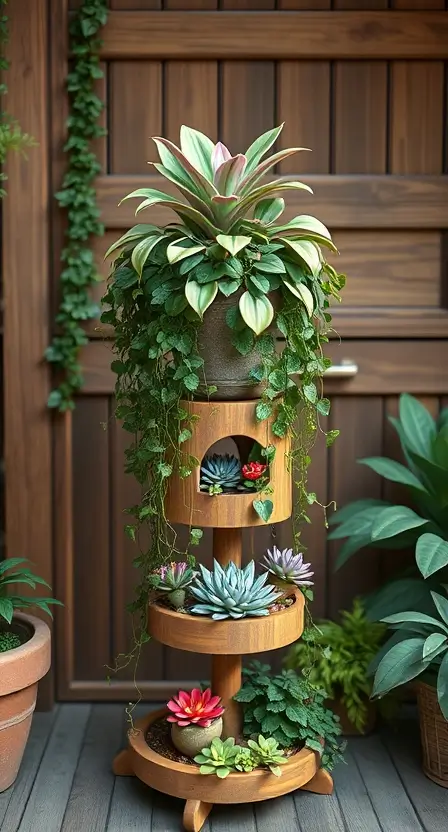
[66,783]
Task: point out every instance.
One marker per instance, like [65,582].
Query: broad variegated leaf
[198,149]
[135,233]
[175,252]
[257,313]
[169,150]
[233,244]
[305,224]
[268,210]
[303,293]
[228,175]
[200,296]
[261,146]
[307,252]
[155,197]
[190,193]
[220,154]
[141,252]
[251,180]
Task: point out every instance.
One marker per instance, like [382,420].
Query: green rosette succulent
[232,592]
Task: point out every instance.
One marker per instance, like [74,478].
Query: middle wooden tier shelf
[200,634]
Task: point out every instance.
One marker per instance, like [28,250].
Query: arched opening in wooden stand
[235,465]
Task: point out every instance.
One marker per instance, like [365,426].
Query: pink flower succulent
[194,708]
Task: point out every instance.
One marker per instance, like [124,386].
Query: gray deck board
[66,785]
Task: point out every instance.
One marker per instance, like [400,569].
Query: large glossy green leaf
[304,223]
[435,476]
[350,509]
[404,446]
[431,554]
[398,596]
[261,146]
[392,470]
[6,609]
[359,523]
[441,605]
[257,313]
[233,244]
[434,645]
[198,149]
[442,686]
[402,663]
[440,448]
[175,252]
[394,520]
[395,638]
[412,616]
[303,293]
[306,251]
[200,297]
[268,210]
[142,251]
[418,425]
[136,233]
[353,544]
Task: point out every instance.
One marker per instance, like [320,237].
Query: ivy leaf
[164,469]
[196,536]
[310,392]
[323,406]
[263,410]
[264,509]
[191,382]
[243,340]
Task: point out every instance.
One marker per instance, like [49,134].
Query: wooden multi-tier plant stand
[225,640]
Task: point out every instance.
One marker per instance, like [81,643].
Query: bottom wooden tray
[202,791]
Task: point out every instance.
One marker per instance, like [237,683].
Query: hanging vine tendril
[77,196]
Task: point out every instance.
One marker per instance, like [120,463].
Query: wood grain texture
[417,114]
[199,634]
[300,84]
[182,780]
[218,420]
[226,682]
[339,201]
[191,98]
[359,143]
[27,425]
[326,35]
[135,98]
[195,814]
[355,805]
[247,102]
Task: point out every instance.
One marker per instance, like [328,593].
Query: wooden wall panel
[303,103]
[417,117]
[248,102]
[360,142]
[91,527]
[135,99]
[191,97]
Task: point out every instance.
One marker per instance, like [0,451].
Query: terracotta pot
[224,366]
[347,727]
[191,739]
[20,671]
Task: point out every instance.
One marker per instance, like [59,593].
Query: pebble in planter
[196,720]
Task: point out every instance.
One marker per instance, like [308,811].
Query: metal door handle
[346,369]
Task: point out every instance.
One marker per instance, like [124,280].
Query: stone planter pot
[191,739]
[20,671]
[224,366]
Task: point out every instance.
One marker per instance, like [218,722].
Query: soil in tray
[161,601]
[158,737]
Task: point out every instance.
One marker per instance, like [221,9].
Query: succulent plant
[194,708]
[220,472]
[174,579]
[284,564]
[266,752]
[232,592]
[219,758]
[244,760]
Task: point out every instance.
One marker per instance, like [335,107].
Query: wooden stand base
[202,792]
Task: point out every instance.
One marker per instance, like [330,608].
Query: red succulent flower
[253,470]
[196,707]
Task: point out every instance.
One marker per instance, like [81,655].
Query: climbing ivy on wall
[11,135]
[78,197]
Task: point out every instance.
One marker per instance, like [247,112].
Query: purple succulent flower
[287,566]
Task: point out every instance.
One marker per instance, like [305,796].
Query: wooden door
[365,90]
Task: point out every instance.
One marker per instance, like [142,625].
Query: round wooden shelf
[199,634]
[181,780]
[186,504]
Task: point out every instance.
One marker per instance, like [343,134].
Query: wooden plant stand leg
[195,814]
[321,783]
[121,765]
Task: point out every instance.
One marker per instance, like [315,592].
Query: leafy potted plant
[336,658]
[195,306]
[25,654]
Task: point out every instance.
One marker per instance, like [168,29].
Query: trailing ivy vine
[77,196]
[11,135]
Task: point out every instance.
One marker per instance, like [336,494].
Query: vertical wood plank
[360,421]
[91,532]
[360,116]
[248,107]
[417,113]
[136,5]
[191,98]
[64,548]
[28,473]
[99,145]
[136,99]
[300,85]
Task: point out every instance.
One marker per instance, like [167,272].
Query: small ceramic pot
[191,739]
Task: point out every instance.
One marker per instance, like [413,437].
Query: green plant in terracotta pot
[337,657]
[195,720]
[199,307]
